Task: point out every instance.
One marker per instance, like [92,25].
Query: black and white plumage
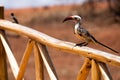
[83,33]
[14,18]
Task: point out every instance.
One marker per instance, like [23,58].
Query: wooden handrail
[59,44]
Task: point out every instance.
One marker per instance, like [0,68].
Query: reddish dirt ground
[67,65]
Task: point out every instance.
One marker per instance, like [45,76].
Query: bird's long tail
[104,45]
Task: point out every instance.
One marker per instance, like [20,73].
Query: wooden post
[105,71]
[3,64]
[1,12]
[96,75]
[38,63]
[48,62]
[10,56]
[84,71]
[25,59]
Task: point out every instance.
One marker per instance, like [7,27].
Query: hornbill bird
[83,33]
[14,18]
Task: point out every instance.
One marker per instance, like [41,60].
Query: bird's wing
[85,34]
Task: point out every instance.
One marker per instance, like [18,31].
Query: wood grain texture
[59,44]
[47,62]
[96,74]
[38,63]
[105,71]
[84,71]
[10,56]
[3,63]
[25,59]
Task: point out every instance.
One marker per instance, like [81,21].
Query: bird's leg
[85,44]
[81,44]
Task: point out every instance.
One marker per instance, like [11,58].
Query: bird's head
[12,14]
[76,18]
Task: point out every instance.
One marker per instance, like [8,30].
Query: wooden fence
[96,60]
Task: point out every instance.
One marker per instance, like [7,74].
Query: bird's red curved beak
[68,18]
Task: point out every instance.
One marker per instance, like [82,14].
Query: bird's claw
[82,44]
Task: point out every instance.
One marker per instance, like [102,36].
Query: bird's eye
[75,18]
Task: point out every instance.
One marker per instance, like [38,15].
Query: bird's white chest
[75,28]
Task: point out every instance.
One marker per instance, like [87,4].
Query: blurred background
[100,17]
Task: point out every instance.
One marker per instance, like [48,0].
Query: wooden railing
[96,60]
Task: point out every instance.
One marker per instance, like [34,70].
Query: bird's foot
[82,44]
